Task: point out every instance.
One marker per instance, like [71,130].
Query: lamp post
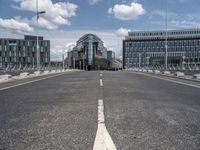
[63,58]
[38,50]
[166,36]
[74,62]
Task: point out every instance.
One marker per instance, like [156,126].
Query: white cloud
[122,32]
[158,17]
[56,13]
[44,23]
[15,25]
[92,2]
[126,12]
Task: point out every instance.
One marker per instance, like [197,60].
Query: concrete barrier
[166,72]
[24,74]
[144,70]
[37,73]
[150,71]
[196,76]
[157,72]
[179,74]
[46,72]
[5,77]
[53,71]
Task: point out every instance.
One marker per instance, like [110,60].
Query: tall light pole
[38,50]
[166,36]
[74,60]
[63,60]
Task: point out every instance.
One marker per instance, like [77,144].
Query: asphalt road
[141,112]
[56,113]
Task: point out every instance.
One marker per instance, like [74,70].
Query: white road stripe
[101,82]
[191,85]
[9,87]
[103,141]
[101,75]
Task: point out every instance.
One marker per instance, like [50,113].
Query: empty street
[134,111]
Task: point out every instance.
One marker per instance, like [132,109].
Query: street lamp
[166,36]
[38,13]
[63,59]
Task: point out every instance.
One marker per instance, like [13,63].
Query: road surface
[61,112]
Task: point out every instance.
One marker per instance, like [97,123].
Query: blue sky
[67,20]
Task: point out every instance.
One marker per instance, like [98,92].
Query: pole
[74,63]
[166,36]
[63,60]
[38,51]
[80,64]
[84,63]
[139,60]
[128,63]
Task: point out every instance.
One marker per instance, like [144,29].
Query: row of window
[23,42]
[163,33]
[156,49]
[19,48]
[146,55]
[22,59]
[136,60]
[163,43]
[19,54]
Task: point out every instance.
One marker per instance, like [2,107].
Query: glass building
[111,58]
[88,54]
[19,53]
[147,48]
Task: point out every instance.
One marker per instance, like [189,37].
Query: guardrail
[23,75]
[178,74]
[197,76]
[5,77]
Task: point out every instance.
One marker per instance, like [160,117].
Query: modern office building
[111,58]
[89,54]
[19,53]
[147,48]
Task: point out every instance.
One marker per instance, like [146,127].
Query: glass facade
[89,54]
[22,52]
[90,50]
[147,49]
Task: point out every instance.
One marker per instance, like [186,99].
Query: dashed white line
[101,82]
[9,87]
[103,141]
[191,85]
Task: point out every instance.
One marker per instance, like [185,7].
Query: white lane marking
[191,85]
[103,141]
[9,87]
[101,82]
[101,75]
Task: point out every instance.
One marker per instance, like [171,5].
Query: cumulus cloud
[92,2]
[15,25]
[122,32]
[56,13]
[70,46]
[127,12]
